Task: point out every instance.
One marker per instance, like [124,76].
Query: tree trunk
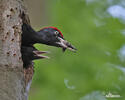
[14,80]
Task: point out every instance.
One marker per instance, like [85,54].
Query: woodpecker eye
[56,32]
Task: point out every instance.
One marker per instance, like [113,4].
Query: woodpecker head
[49,36]
[53,37]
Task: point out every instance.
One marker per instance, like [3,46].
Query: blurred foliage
[97,68]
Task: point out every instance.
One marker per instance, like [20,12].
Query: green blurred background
[97,29]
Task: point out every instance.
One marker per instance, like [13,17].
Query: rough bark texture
[14,80]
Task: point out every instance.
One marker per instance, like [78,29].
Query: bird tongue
[38,54]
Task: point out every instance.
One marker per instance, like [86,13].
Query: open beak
[38,54]
[66,45]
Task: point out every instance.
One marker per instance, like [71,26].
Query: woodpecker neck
[30,36]
[40,37]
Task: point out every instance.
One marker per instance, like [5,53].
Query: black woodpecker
[49,35]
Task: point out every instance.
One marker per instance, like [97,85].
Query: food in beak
[66,45]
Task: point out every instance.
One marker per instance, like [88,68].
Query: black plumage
[49,36]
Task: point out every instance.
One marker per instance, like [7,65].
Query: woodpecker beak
[37,54]
[65,45]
